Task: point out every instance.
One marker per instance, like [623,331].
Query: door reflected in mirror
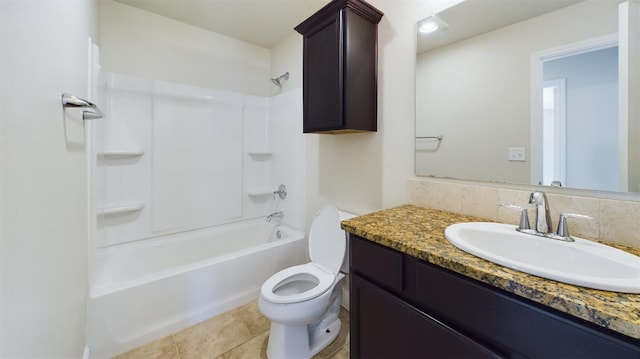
[580,128]
[554,128]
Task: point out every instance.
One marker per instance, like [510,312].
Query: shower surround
[168,163]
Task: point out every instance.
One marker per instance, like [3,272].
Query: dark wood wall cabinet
[340,68]
[403,307]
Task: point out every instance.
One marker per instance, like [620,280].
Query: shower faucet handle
[281,192]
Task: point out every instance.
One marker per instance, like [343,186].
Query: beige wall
[137,42]
[287,57]
[43,183]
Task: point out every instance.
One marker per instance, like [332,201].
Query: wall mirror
[531,92]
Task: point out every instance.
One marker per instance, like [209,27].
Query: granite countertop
[419,232]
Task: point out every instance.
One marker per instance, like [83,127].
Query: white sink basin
[584,263]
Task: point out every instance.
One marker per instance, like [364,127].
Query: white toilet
[303,301]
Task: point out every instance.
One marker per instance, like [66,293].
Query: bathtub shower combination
[146,291]
[182,180]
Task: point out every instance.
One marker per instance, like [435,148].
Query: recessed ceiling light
[428,27]
[431,24]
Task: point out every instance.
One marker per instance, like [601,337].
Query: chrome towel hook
[89,110]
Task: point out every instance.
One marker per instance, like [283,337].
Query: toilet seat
[327,241]
[327,246]
[309,272]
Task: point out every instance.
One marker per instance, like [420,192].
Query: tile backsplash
[615,221]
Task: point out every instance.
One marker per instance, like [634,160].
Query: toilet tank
[345,261]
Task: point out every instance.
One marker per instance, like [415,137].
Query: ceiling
[267,22]
[473,17]
[260,22]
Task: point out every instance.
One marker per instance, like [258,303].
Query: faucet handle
[563,229]
[524,216]
[281,192]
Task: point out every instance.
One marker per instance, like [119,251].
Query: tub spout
[275,215]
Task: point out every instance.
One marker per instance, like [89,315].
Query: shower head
[279,81]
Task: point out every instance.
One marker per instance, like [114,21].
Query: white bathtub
[145,291]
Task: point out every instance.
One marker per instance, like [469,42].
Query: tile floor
[237,334]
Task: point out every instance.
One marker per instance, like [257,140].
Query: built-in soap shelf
[258,192]
[260,155]
[121,209]
[120,153]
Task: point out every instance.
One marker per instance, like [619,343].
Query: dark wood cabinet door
[323,72]
[383,326]
[360,74]
[513,324]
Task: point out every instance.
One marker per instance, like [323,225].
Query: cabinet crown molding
[360,7]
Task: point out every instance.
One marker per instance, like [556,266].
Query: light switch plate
[517,154]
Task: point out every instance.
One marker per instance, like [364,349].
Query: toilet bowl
[303,302]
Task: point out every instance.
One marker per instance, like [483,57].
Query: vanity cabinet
[388,327]
[340,68]
[403,307]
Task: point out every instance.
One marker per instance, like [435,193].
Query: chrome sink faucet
[543,226]
[543,217]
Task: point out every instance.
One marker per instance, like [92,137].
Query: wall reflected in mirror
[483,92]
